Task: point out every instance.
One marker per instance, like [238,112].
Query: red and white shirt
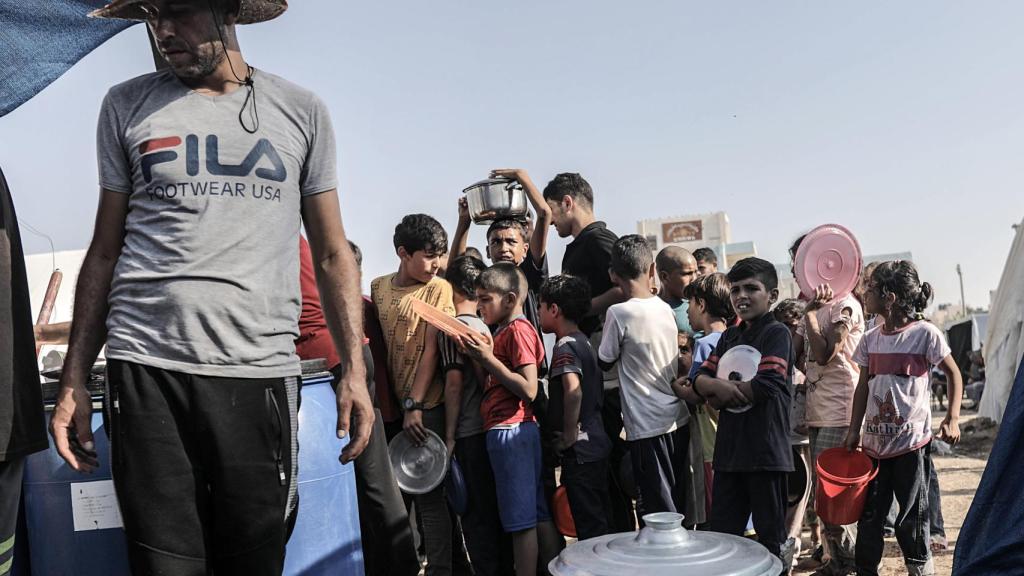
[898,418]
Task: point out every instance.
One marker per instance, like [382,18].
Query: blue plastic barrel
[326,538]
[55,548]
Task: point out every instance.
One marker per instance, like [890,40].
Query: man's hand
[354,406]
[477,346]
[822,295]
[949,430]
[852,440]
[413,426]
[464,218]
[71,427]
[518,174]
[449,445]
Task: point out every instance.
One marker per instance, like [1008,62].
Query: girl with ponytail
[892,403]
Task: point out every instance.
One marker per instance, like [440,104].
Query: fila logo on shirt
[161,150]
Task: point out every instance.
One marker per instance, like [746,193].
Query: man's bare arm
[601,303]
[70,424]
[337,276]
[573,400]
[461,236]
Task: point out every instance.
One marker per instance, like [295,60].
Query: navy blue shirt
[573,354]
[758,439]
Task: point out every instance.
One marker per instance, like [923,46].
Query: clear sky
[901,120]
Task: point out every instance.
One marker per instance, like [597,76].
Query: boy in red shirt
[513,439]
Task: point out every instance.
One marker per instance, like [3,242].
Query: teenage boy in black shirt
[752,449]
[589,256]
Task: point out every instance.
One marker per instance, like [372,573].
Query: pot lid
[498,181]
[739,363]
[829,254]
[418,468]
[665,548]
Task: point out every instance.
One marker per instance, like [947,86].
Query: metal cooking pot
[665,548]
[495,198]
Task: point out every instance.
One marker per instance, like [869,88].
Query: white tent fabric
[1004,345]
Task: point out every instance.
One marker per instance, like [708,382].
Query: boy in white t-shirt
[640,336]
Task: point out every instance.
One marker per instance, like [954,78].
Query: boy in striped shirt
[752,448]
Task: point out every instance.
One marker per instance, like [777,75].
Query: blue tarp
[992,539]
[42,39]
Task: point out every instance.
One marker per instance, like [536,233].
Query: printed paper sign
[94,505]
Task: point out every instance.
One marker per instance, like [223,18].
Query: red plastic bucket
[842,486]
[562,513]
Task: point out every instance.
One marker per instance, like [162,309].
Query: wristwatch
[410,404]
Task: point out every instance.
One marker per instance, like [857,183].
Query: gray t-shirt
[208,280]
[471,422]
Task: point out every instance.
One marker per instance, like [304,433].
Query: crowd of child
[629,406]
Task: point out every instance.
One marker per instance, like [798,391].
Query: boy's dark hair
[900,277]
[571,294]
[473,253]
[713,290]
[789,310]
[705,255]
[463,273]
[631,257]
[421,232]
[506,224]
[503,278]
[761,270]
[357,252]
[569,184]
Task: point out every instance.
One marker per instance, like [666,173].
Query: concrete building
[697,231]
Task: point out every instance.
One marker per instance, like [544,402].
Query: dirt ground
[959,476]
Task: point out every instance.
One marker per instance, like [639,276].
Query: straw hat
[249,11]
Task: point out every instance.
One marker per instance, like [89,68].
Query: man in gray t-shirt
[207,171]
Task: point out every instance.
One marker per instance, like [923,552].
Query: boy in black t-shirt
[574,410]
[752,448]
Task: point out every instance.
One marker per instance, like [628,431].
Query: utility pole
[963,303]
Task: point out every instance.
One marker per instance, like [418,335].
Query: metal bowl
[418,468]
[495,198]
